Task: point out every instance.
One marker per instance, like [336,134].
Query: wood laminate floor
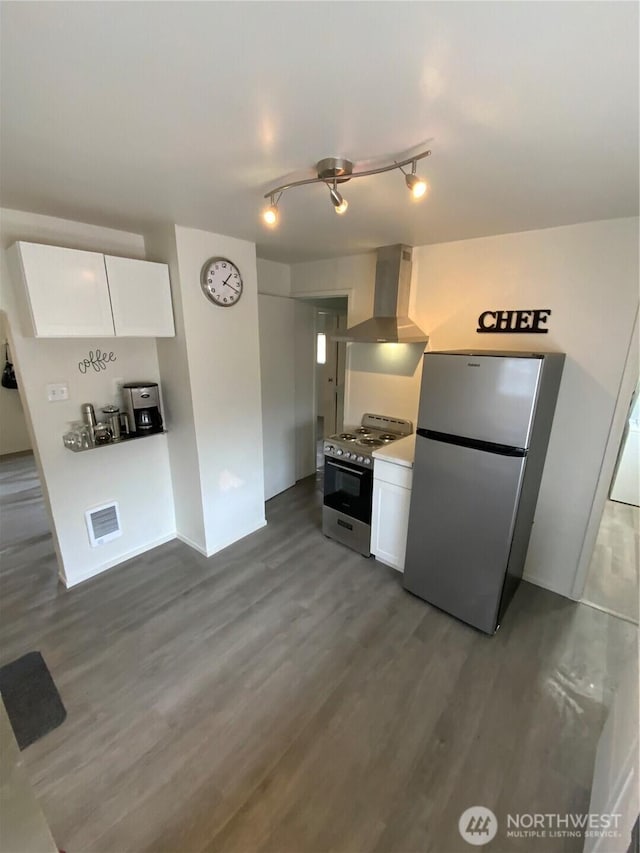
[612,581]
[287,695]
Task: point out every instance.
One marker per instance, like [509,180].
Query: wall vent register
[103,524]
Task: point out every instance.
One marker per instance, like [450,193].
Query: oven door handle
[344,468]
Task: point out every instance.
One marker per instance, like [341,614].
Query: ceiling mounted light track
[337,170]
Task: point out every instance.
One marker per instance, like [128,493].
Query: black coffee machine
[141,402]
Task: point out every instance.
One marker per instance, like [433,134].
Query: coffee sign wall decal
[525,321]
[97,359]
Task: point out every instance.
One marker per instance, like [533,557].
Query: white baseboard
[225,543]
[537,582]
[192,544]
[122,558]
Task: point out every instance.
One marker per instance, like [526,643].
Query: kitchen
[208,490]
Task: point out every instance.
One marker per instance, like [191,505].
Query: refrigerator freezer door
[463,509]
[489,398]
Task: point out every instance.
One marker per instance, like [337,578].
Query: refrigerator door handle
[473,443]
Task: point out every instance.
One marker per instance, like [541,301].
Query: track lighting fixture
[335,170]
[340,204]
[270,214]
[416,184]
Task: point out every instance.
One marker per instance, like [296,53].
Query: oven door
[348,488]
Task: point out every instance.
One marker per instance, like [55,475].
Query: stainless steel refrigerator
[483,426]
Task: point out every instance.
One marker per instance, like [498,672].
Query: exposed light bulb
[270,216]
[339,203]
[417,185]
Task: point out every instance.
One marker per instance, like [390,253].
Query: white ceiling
[125,114]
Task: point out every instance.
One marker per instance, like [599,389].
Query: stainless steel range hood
[390,322]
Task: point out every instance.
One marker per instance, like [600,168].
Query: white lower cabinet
[390,513]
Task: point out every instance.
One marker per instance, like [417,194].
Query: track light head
[270,215]
[339,203]
[416,184]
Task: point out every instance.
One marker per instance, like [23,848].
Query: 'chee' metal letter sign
[522,322]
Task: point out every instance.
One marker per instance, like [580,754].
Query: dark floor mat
[31,698]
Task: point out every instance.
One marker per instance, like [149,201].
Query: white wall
[353,275]
[135,474]
[223,358]
[14,436]
[178,403]
[277,371]
[588,276]
[273,278]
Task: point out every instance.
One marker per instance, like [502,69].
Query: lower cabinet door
[389,522]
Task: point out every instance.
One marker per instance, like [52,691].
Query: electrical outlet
[57,391]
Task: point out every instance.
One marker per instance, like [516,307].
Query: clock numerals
[221,282]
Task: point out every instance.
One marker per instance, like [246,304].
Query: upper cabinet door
[66,290]
[140,297]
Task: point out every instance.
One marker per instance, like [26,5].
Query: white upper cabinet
[140,297]
[76,294]
[67,291]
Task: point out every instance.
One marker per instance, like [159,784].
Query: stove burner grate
[370,442]
[347,436]
[363,431]
[388,436]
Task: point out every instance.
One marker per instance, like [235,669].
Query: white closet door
[140,297]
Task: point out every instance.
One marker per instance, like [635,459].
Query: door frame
[626,389]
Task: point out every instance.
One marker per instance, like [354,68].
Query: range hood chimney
[390,322]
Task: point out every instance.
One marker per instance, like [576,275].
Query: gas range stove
[358,443]
[348,478]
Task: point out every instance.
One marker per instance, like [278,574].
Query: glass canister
[102,433]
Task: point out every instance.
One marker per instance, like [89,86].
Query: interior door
[332,375]
[330,378]
[305,380]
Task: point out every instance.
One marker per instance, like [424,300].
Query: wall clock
[221,282]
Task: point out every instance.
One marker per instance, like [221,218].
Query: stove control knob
[360,459]
[329,448]
[338,452]
[347,455]
[367,461]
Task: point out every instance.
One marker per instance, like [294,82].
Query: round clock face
[221,282]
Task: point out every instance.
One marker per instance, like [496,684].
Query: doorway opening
[331,317]
[25,529]
[329,370]
[612,580]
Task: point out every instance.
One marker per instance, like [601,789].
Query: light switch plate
[57,391]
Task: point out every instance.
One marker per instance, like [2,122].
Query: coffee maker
[141,401]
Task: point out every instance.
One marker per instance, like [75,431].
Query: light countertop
[401,452]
